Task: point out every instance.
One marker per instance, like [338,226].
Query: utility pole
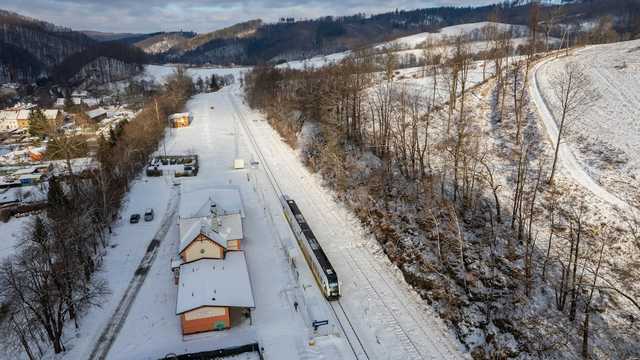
[164,142]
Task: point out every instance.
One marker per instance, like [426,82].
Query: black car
[134,219]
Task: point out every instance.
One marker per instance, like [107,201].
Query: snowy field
[409,45]
[449,32]
[158,73]
[606,138]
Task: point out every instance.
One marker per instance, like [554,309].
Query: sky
[141,16]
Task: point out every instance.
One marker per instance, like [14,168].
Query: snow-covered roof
[191,228]
[14,114]
[90,101]
[25,171]
[31,176]
[78,165]
[227,200]
[51,114]
[96,112]
[24,114]
[231,226]
[213,282]
[178,116]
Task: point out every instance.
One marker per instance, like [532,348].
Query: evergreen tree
[58,206]
[200,85]
[215,86]
[68,101]
[38,124]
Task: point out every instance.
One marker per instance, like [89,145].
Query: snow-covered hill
[606,137]
[471,30]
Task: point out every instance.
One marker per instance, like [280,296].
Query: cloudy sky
[198,15]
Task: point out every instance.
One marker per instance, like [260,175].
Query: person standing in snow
[295,305]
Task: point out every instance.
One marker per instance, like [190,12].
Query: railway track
[357,347]
[346,326]
[418,341]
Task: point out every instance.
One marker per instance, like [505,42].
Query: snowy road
[566,157]
[110,332]
[389,318]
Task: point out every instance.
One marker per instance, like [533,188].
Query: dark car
[148,215]
[134,219]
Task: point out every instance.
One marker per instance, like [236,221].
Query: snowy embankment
[603,150]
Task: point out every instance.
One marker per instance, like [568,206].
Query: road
[566,157]
[110,332]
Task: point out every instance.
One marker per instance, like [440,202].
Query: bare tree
[587,306]
[571,88]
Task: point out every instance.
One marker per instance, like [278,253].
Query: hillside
[605,139]
[99,64]
[32,49]
[36,45]
[253,42]
[162,42]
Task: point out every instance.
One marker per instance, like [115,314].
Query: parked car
[148,215]
[134,219]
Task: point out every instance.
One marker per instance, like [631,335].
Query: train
[319,264]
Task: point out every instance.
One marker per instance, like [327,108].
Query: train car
[320,266]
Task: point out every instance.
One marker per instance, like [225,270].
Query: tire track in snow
[110,332]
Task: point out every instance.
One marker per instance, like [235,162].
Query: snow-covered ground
[214,135]
[604,146]
[446,33]
[10,235]
[128,244]
[410,45]
[316,61]
[391,320]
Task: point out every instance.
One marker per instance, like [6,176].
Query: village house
[211,270]
[53,115]
[213,291]
[13,119]
[180,120]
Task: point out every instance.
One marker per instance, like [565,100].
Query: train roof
[311,238]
